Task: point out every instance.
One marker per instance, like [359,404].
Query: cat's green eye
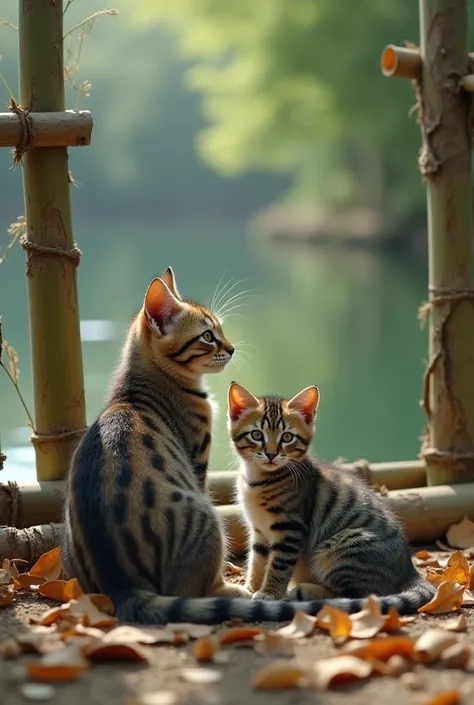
[287,437]
[257,435]
[208,337]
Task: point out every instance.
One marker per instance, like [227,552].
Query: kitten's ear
[306,402]
[240,400]
[160,306]
[170,281]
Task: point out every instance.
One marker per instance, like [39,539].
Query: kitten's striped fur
[314,526]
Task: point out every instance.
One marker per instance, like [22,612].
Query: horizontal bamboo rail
[426,514]
[69,128]
[41,502]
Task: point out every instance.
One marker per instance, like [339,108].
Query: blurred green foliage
[296,86]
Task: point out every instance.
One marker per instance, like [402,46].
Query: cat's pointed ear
[240,400]
[306,403]
[160,306]
[170,281]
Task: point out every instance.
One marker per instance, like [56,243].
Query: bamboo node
[73,254]
[442,456]
[38,439]
[27,132]
[439,297]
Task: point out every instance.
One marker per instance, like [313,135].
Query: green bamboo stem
[445,163]
[52,288]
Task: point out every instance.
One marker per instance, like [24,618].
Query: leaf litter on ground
[83,629]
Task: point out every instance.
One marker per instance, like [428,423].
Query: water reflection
[344,320]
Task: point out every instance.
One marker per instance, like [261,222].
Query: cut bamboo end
[467,83]
[400,62]
[59,129]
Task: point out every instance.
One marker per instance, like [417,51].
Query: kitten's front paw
[262,596]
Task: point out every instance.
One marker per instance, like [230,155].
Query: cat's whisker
[226,291]
[216,290]
[247,293]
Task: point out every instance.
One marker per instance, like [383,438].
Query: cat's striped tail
[144,607]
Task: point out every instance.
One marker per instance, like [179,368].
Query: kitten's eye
[208,337]
[257,435]
[287,437]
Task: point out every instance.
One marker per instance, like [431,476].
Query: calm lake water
[344,320]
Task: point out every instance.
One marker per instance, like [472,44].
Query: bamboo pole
[70,128]
[42,502]
[51,254]
[397,475]
[425,512]
[445,163]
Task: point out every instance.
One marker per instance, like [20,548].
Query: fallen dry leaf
[7,595]
[447,697]
[340,670]
[382,648]
[54,589]
[142,635]
[423,555]
[9,569]
[39,639]
[205,648]
[369,621]
[102,602]
[189,630]
[456,656]
[458,569]
[301,625]
[461,535]
[84,610]
[279,675]
[25,581]
[458,624]
[336,622]
[72,591]
[429,647]
[393,622]
[398,665]
[448,598]
[49,566]
[202,676]
[468,597]
[58,666]
[235,634]
[101,650]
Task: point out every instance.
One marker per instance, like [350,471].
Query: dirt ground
[160,683]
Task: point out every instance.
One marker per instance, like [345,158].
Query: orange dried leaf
[144,635]
[102,602]
[383,649]
[340,670]
[369,621]
[55,614]
[187,630]
[49,566]
[423,555]
[468,597]
[301,625]
[279,675]
[393,622]
[447,697]
[58,666]
[25,580]
[85,611]
[205,648]
[72,591]
[456,656]
[448,598]
[429,647]
[100,650]
[458,569]
[236,634]
[54,589]
[336,622]
[273,644]
[38,639]
[461,535]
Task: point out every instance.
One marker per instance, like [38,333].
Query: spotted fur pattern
[314,528]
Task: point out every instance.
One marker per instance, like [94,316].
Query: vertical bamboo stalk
[445,162]
[51,255]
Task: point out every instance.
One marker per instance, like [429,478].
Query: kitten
[310,523]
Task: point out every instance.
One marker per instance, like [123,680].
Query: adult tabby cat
[310,523]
